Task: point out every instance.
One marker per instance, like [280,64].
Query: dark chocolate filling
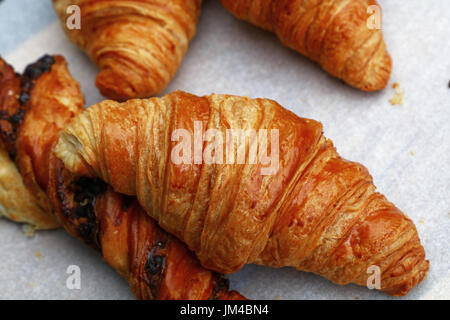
[35,70]
[127,201]
[31,74]
[78,205]
[85,191]
[221,284]
[156,262]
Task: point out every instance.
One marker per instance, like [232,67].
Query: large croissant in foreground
[138,45]
[333,33]
[44,99]
[317,212]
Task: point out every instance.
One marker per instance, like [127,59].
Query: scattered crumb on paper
[421,221]
[28,230]
[412,153]
[38,255]
[397,99]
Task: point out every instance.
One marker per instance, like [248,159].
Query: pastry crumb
[28,230]
[421,221]
[397,99]
[278,298]
[357,298]
[38,255]
[412,153]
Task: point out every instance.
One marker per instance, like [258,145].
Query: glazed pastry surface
[156,265]
[137,45]
[17,203]
[333,33]
[316,212]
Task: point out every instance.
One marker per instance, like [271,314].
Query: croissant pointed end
[378,73]
[408,270]
[113,86]
[68,151]
[419,274]
[120,84]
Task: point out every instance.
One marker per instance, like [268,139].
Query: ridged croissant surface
[137,45]
[333,33]
[317,212]
[156,265]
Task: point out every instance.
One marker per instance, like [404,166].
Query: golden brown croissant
[156,265]
[333,33]
[138,45]
[317,212]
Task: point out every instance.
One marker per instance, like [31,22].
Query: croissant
[156,265]
[306,207]
[137,45]
[333,33]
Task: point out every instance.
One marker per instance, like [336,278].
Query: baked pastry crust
[137,45]
[333,33]
[156,265]
[318,213]
[17,203]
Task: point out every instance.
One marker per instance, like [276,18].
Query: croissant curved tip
[403,288]
[67,150]
[109,85]
[378,74]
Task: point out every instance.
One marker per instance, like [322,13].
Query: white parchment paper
[406,148]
